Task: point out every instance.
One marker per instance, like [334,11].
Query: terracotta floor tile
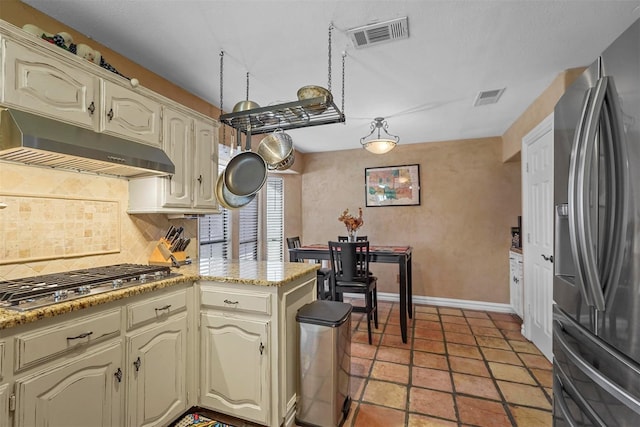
[507,317]
[508,326]
[360,367]
[392,329]
[487,331]
[363,337]
[431,378]
[450,311]
[544,376]
[536,361]
[458,338]
[385,394]
[431,402]
[374,416]
[416,420]
[453,319]
[475,313]
[465,365]
[395,341]
[476,386]
[513,336]
[516,374]
[529,417]
[427,316]
[395,355]
[364,351]
[428,345]
[356,387]
[487,323]
[455,327]
[481,412]
[428,334]
[525,347]
[522,394]
[350,416]
[388,371]
[463,351]
[493,342]
[426,309]
[503,356]
[430,360]
[428,324]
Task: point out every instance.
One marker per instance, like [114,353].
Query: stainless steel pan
[227,199]
[245,173]
[277,150]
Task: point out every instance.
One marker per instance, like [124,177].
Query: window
[275,219]
[248,231]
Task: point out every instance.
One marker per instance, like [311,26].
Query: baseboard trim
[447,302]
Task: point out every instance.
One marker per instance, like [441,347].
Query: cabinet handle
[91,108]
[166,307]
[118,375]
[230,302]
[84,335]
[137,363]
[261,348]
[110,114]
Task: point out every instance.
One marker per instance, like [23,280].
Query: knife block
[161,254]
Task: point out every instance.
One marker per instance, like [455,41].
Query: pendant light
[380,144]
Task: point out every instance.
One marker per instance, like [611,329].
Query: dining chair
[349,265]
[323,275]
[358,238]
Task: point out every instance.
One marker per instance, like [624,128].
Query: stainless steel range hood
[31,139]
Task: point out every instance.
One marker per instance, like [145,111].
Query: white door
[537,216]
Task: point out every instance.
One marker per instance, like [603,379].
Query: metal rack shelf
[290,115]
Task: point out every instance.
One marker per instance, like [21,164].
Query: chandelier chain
[329,62]
[344,55]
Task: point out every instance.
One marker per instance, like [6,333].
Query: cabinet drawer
[237,301]
[155,308]
[45,343]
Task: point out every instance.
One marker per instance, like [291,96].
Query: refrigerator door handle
[578,361]
[562,382]
[583,195]
[574,167]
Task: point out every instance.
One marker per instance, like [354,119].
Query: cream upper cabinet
[191,142]
[130,114]
[40,83]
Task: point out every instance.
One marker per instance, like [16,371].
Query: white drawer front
[156,308]
[42,344]
[237,301]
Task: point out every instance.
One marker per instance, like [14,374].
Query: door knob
[547,258]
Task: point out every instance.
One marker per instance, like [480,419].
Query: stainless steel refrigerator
[596,288]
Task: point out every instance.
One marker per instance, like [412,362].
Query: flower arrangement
[352,223]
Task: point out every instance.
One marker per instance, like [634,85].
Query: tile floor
[459,368]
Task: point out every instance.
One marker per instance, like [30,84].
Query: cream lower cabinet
[249,348]
[515,283]
[157,360]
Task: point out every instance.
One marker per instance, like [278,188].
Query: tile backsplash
[59,220]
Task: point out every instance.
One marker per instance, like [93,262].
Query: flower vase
[352,235]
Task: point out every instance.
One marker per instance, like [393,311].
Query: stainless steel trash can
[324,334]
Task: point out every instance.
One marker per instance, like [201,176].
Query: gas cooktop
[29,293]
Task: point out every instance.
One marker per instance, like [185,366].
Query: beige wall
[460,233]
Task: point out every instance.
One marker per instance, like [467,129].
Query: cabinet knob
[261,348]
[137,363]
[91,108]
[200,179]
[110,114]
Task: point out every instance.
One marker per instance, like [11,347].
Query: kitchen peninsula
[224,340]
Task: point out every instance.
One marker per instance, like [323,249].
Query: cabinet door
[206,165]
[234,370]
[129,114]
[45,85]
[84,391]
[176,133]
[156,373]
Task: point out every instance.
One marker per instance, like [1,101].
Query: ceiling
[425,86]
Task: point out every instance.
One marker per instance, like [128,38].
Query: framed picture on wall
[392,186]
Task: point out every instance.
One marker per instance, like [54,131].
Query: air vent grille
[488,97]
[380,32]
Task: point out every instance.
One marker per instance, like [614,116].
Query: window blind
[248,231]
[275,219]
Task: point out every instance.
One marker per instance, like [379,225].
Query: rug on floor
[199,420]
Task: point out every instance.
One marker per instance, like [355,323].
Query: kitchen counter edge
[230,272]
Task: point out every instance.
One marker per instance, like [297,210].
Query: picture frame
[392,186]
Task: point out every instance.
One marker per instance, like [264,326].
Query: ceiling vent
[488,97]
[380,32]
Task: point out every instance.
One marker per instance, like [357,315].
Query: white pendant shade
[379,145]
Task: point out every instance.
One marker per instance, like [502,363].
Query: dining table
[400,255]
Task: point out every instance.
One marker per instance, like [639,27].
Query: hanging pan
[245,173]
[277,150]
[227,199]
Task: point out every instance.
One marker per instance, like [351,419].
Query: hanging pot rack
[288,115]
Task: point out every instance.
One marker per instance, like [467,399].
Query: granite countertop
[259,273]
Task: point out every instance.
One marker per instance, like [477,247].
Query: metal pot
[245,173]
[227,199]
[277,150]
[310,92]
